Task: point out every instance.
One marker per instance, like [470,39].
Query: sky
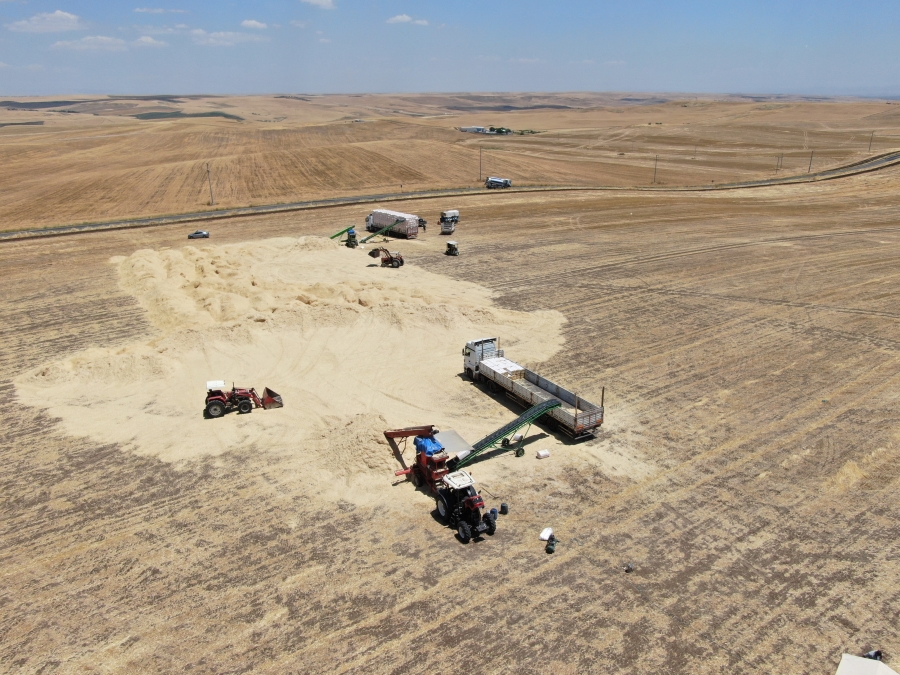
[359,46]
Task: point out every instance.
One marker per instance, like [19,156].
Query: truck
[404,224]
[485,363]
[493,183]
[448,221]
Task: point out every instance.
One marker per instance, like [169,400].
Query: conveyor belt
[528,417]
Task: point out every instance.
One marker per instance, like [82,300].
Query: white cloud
[406,18]
[47,22]
[93,43]
[524,60]
[156,30]
[298,24]
[324,4]
[3,65]
[613,63]
[147,41]
[324,40]
[155,10]
[250,23]
[223,39]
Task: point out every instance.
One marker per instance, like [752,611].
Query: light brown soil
[748,344]
[98,162]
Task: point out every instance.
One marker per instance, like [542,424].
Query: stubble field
[748,469]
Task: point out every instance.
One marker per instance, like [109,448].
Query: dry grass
[99,163]
[748,344]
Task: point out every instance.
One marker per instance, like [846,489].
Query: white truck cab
[477,351]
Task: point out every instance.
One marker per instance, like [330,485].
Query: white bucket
[545,533]
[543,454]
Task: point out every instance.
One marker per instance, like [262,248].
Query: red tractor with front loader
[388,259]
[220,400]
[458,502]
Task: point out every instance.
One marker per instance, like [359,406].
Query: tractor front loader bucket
[271,400]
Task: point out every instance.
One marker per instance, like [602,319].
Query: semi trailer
[484,362]
[401,224]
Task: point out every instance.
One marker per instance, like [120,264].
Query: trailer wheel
[505,443]
[464,532]
[215,409]
[414,479]
[245,406]
[520,452]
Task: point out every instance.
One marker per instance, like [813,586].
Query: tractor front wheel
[464,532]
[245,406]
[215,409]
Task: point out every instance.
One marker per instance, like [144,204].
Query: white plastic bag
[543,454]
[545,533]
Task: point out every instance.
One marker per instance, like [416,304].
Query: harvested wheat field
[747,340]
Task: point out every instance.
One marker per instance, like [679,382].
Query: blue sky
[332,46]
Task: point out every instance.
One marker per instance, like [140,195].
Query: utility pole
[212,200]
[811,153]
[479,163]
[871,138]
[654,169]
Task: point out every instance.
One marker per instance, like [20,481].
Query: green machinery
[350,241]
[338,234]
[502,435]
[381,231]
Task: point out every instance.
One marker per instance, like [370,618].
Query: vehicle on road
[494,183]
[199,234]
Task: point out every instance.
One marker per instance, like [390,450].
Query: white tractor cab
[477,351]
[448,221]
[460,505]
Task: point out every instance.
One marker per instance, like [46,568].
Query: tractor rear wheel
[215,409]
[395,264]
[414,479]
[245,406]
[464,532]
[491,523]
[442,508]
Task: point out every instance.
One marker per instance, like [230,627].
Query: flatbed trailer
[485,363]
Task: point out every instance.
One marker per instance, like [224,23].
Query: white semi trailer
[404,224]
[484,362]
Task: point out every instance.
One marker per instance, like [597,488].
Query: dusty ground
[93,160]
[748,344]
